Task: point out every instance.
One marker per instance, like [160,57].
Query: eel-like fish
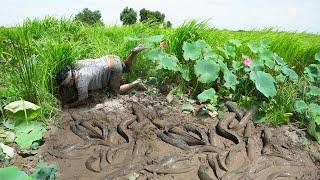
[233,107]
[200,132]
[103,129]
[136,108]
[89,163]
[213,136]
[246,118]
[203,172]
[279,174]
[122,129]
[266,138]
[167,165]
[223,130]
[175,142]
[212,160]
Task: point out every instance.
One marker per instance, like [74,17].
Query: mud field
[143,135]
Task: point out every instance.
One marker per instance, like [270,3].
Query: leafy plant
[13,173]
[22,110]
[309,107]
[28,135]
[40,173]
[6,136]
[207,95]
[44,171]
[187,107]
[200,64]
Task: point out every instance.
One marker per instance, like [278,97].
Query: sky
[288,15]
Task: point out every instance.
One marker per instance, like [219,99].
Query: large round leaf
[206,95]
[20,106]
[187,107]
[257,65]
[293,76]
[312,130]
[264,83]
[191,51]
[16,110]
[13,173]
[279,60]
[254,47]
[45,172]
[228,50]
[267,57]
[169,62]
[222,64]
[206,71]
[235,42]
[155,39]
[314,91]
[27,133]
[185,73]
[231,80]
[281,78]
[155,54]
[313,72]
[317,56]
[205,50]
[300,106]
[314,109]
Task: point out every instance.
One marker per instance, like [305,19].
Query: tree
[128,16]
[151,16]
[89,17]
[167,24]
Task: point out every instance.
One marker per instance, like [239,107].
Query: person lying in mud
[93,74]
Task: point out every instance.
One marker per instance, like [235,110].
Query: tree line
[128,16]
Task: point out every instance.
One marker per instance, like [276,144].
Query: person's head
[65,77]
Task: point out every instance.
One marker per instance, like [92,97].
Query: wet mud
[144,134]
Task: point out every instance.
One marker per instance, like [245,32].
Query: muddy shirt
[92,74]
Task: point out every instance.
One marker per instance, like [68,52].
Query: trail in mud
[145,135]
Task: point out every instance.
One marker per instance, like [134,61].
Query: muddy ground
[143,135]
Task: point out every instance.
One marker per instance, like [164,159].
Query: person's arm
[77,103]
[82,88]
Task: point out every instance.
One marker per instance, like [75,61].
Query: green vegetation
[41,172]
[308,104]
[33,53]
[89,17]
[252,82]
[128,16]
[153,16]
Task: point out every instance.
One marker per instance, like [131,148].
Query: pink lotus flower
[163,44]
[247,61]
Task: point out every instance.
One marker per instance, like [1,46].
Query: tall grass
[297,49]
[31,54]
[30,62]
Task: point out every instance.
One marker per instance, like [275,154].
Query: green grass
[33,52]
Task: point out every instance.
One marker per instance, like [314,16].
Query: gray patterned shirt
[92,74]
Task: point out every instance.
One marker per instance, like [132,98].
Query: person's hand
[138,81]
[138,48]
[138,84]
